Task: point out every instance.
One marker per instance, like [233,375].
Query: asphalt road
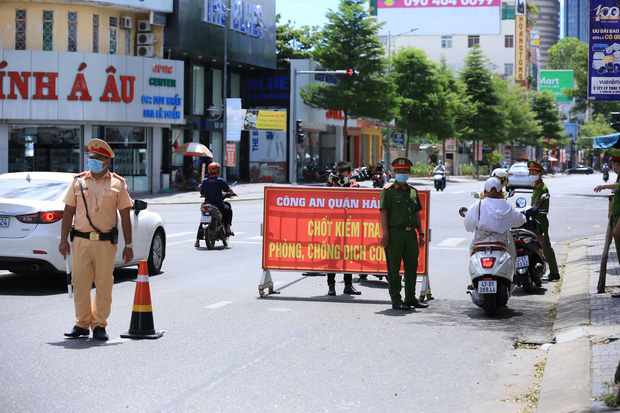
[226,349]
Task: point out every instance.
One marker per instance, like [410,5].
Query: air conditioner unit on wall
[146,38]
[146,51]
[144,26]
[125,22]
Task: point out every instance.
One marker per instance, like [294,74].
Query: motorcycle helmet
[500,174]
[214,168]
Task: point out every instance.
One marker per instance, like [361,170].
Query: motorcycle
[491,268]
[212,224]
[605,176]
[378,178]
[531,263]
[440,180]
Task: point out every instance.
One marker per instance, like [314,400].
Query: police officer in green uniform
[536,171]
[402,235]
[614,208]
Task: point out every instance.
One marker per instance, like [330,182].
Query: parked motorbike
[491,268]
[440,180]
[531,263]
[212,224]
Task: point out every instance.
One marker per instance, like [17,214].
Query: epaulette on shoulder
[115,175]
[387,186]
[81,174]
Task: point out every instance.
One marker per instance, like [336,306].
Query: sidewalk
[586,329]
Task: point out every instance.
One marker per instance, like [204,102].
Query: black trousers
[331,278]
[227,213]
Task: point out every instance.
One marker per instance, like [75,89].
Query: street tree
[570,53]
[293,43]
[548,116]
[522,127]
[484,123]
[349,41]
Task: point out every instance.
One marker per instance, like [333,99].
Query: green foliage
[598,126]
[467,169]
[419,169]
[493,158]
[570,53]
[548,117]
[292,43]
[520,119]
[349,41]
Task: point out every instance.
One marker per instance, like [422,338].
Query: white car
[31,211]
[519,176]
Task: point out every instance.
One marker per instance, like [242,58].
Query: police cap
[535,165]
[402,162]
[101,147]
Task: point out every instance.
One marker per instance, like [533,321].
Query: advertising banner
[521,50]
[604,50]
[267,146]
[555,81]
[402,4]
[231,154]
[272,120]
[234,119]
[329,230]
[158,5]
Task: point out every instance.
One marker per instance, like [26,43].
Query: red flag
[175,145]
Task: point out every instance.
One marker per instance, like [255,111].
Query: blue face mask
[95,165]
[402,177]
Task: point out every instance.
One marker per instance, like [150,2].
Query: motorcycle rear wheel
[209,238]
[526,280]
[490,305]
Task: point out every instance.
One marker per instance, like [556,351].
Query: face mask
[534,178]
[402,177]
[95,165]
[346,179]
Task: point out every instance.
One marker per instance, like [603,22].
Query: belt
[94,236]
[404,228]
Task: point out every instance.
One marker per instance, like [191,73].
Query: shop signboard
[604,50]
[158,5]
[328,230]
[231,154]
[258,119]
[64,86]
[234,119]
[556,81]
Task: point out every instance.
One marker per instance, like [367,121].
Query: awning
[606,141]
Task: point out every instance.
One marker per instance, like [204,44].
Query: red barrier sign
[328,230]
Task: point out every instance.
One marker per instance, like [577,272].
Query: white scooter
[439,179]
[491,268]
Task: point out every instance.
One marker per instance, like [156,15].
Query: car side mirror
[462,211]
[520,202]
[475,195]
[139,205]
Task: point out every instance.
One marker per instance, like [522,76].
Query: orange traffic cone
[141,325]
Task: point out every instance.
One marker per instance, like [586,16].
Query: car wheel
[157,253]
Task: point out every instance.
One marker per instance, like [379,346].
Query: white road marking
[218,305]
[280,310]
[244,242]
[179,234]
[256,237]
[450,242]
[180,242]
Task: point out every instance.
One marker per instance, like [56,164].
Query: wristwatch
[130,246]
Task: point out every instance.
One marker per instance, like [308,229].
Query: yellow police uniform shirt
[103,197]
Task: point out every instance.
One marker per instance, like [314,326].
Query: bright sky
[305,12]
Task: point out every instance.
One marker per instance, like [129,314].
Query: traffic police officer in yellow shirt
[402,236]
[93,199]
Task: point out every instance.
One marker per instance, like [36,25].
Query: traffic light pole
[292,170]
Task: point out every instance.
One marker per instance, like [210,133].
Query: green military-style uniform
[543,209]
[615,213]
[401,201]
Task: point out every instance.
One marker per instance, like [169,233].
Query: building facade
[576,13]
[72,71]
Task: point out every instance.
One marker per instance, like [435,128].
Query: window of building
[48,30]
[508,12]
[446,42]
[72,31]
[473,40]
[198,83]
[113,35]
[508,69]
[95,33]
[509,41]
[127,41]
[20,29]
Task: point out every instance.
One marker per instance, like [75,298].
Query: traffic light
[616,123]
[300,133]
[352,73]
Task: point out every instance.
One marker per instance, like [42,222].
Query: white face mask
[402,177]
[534,178]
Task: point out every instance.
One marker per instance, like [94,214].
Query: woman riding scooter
[502,176]
[492,217]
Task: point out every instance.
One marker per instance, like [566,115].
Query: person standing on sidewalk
[536,171]
[614,207]
[402,236]
[93,198]
[342,178]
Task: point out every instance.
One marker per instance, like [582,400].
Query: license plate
[4,222]
[205,219]
[487,287]
[523,261]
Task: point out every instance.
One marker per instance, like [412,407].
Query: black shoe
[349,289]
[100,334]
[399,305]
[230,234]
[553,277]
[470,287]
[332,289]
[77,332]
[417,304]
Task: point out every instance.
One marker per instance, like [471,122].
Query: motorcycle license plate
[205,219]
[487,287]
[523,261]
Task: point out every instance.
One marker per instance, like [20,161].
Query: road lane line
[179,234]
[218,305]
[450,242]
[256,237]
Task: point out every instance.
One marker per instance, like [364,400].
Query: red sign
[231,154]
[328,229]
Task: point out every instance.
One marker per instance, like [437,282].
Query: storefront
[53,103]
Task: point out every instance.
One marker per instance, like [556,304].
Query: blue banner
[604,50]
